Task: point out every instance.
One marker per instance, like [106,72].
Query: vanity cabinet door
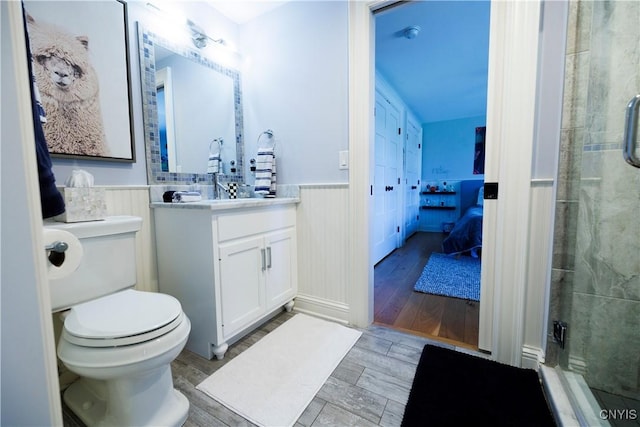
[281,271]
[241,283]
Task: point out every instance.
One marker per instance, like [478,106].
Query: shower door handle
[630,137]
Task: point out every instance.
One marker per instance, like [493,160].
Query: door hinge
[398,229]
[399,131]
[398,181]
[560,332]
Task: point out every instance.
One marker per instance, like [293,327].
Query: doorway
[395,303]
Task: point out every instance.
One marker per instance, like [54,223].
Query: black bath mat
[456,389]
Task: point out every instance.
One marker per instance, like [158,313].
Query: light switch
[344,159]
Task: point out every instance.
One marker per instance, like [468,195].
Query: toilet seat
[124,318]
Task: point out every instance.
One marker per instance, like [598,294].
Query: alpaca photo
[73,79]
[70,91]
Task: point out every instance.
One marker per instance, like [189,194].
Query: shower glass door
[596,274]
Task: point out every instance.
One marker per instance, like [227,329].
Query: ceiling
[441,74]
[241,11]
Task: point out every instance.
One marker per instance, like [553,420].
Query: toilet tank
[108,263]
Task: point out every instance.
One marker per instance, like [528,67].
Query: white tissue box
[83,204]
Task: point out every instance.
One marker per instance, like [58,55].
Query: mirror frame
[155,175]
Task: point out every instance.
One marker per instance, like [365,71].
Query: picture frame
[80,59]
[479,151]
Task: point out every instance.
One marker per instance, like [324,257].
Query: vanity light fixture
[189,30]
[199,37]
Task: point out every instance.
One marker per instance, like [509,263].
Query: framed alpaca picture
[80,60]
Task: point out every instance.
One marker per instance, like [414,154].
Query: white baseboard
[329,310]
[532,357]
[578,365]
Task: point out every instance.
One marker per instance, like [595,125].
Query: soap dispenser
[195,186]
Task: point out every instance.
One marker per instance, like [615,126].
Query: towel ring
[269,134]
[218,141]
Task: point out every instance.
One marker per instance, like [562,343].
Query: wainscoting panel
[323,244]
[134,200]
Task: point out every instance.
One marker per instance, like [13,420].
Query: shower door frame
[593,274]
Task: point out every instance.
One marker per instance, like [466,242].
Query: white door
[388,146]
[412,171]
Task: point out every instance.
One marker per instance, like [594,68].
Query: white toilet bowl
[122,346]
[120,341]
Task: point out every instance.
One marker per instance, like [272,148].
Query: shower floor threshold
[571,399]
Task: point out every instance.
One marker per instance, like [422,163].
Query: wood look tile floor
[398,306]
[369,387]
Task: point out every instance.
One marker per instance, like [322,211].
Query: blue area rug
[451,276]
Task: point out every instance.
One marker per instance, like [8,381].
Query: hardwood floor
[369,387]
[398,306]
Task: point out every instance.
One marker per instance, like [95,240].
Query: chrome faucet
[217,195]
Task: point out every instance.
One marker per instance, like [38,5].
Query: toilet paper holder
[57,246]
[56,249]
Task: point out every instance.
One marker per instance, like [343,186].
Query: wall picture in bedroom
[478,159]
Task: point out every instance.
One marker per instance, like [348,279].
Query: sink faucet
[217,195]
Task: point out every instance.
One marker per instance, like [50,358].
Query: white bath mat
[273,381]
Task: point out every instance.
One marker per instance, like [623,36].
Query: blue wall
[448,149]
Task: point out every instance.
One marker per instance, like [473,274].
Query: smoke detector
[411,32]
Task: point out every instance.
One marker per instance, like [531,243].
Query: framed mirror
[192,112]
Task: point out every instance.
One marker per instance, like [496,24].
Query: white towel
[213,165]
[186,196]
[265,162]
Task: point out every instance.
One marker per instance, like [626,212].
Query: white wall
[29,390]
[448,149]
[295,83]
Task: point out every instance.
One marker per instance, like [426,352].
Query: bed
[466,235]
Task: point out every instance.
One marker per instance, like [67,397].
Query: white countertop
[226,204]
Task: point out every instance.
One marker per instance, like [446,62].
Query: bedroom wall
[448,149]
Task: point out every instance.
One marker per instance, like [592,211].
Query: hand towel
[213,165]
[264,170]
[186,196]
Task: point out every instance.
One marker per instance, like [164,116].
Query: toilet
[118,340]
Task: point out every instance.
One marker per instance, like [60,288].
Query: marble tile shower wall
[595,281]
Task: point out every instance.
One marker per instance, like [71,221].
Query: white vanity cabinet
[231,269]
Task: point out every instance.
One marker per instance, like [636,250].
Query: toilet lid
[126,317]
